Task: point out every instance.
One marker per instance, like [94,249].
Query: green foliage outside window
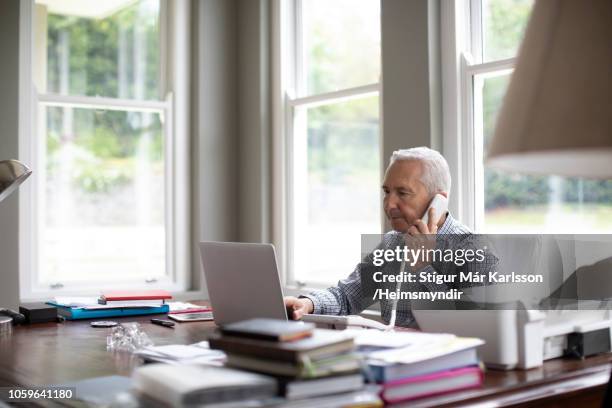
[106,142]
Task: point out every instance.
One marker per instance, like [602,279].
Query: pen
[166,323]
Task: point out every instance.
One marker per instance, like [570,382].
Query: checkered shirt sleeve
[347,297]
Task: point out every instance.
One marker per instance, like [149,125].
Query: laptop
[242,281]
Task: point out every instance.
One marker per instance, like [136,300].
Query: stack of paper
[184,307]
[198,353]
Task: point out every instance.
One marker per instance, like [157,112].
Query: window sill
[182,296]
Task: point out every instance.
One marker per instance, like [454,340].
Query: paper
[424,351]
[198,353]
[179,306]
[91,303]
[75,301]
[137,305]
[395,339]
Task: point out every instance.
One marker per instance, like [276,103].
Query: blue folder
[74,313]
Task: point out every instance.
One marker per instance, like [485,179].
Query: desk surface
[50,353]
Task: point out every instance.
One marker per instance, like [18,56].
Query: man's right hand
[298,307]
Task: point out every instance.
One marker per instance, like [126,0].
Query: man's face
[405,197]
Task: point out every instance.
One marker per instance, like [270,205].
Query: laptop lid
[242,281]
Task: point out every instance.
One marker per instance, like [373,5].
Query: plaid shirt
[349,295]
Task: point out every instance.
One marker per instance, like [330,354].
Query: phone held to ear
[440,205]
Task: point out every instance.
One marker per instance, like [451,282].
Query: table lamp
[556,117]
[12,174]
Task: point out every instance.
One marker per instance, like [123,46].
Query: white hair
[436,174]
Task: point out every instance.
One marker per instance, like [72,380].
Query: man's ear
[443,193]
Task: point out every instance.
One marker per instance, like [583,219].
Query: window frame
[462,75]
[173,108]
[289,97]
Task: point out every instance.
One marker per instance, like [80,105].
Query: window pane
[104,194]
[336,188]
[504,23]
[551,204]
[341,44]
[105,48]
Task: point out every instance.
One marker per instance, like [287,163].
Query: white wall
[411,92]
[9,142]
[214,110]
[411,81]
[254,114]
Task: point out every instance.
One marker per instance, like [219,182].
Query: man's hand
[421,235]
[298,307]
[420,227]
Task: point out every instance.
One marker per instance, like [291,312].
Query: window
[103,149]
[332,137]
[505,202]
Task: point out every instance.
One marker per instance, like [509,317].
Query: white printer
[523,337]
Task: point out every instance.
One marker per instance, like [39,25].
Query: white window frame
[462,73]
[174,111]
[288,99]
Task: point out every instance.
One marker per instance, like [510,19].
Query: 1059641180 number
[14,394]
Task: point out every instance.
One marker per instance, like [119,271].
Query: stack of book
[444,365]
[306,362]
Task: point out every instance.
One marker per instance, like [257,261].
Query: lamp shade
[12,174]
[556,117]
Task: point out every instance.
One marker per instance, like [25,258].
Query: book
[431,384]
[192,317]
[296,389]
[336,365]
[367,397]
[269,329]
[182,385]
[75,313]
[183,307]
[322,343]
[98,391]
[386,372]
[116,295]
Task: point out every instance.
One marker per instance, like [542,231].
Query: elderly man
[411,181]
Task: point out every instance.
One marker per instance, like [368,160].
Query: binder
[74,313]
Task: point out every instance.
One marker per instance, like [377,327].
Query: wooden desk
[50,353]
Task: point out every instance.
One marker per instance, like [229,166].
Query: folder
[74,313]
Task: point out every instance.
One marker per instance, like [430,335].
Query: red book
[115,295]
[431,384]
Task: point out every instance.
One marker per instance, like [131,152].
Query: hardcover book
[269,329]
[322,343]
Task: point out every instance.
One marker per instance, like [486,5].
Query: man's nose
[390,202]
